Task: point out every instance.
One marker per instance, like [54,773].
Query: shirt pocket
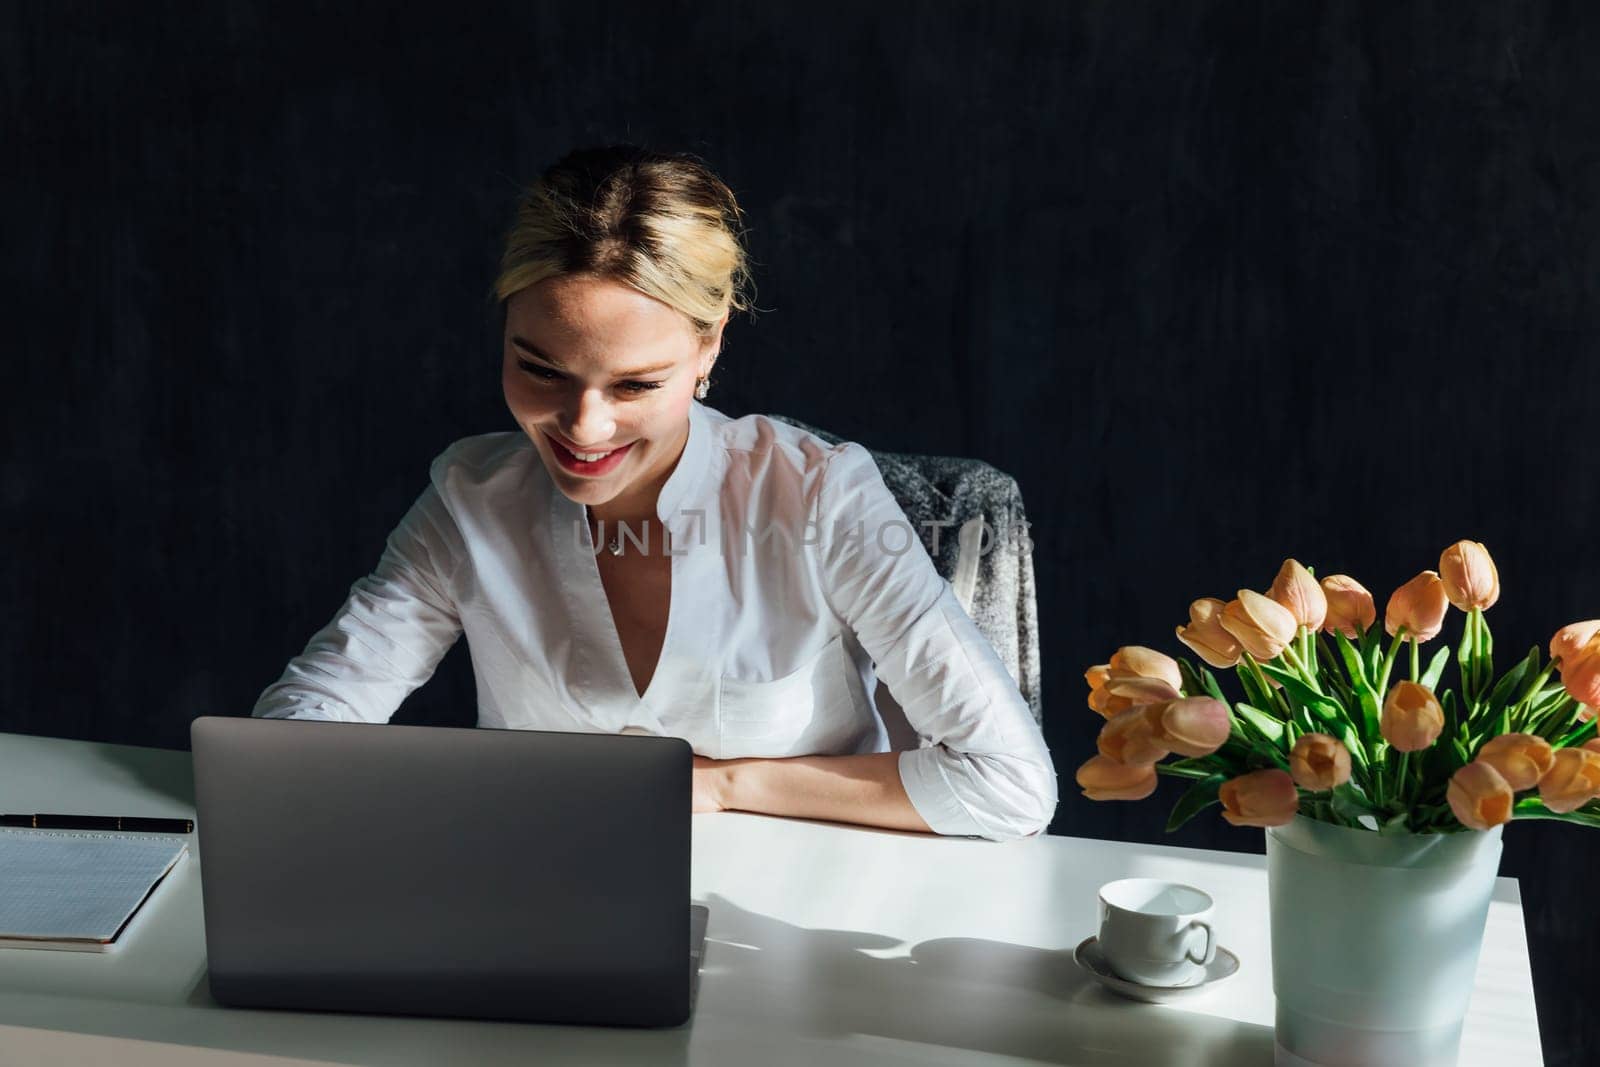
[794,715]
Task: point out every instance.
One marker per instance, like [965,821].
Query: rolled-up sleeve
[983,769]
[387,639]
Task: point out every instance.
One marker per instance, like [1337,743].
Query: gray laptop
[495,874]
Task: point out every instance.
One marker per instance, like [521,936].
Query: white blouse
[797,583]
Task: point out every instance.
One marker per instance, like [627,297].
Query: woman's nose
[592,423]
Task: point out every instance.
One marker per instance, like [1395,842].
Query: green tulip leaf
[1511,685]
[1264,724]
[1533,808]
[1396,824]
[1430,677]
[1354,663]
[1350,803]
[1254,691]
[1192,686]
[1199,796]
[1584,732]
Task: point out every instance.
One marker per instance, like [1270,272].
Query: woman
[631,560]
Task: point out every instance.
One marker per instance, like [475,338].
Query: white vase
[1375,941]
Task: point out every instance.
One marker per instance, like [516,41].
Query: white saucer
[1091,959]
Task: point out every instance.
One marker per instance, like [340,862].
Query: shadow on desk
[154,770]
[988,993]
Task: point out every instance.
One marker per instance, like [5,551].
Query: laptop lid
[487,873]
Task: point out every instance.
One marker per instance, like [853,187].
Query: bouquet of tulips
[1325,731]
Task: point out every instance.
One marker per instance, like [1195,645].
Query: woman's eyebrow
[533,349]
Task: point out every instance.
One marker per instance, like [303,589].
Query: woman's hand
[710,781]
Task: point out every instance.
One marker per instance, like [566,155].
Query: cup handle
[1211,943]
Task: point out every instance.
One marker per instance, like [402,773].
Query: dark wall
[1219,283]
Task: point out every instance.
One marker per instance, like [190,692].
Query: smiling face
[600,377]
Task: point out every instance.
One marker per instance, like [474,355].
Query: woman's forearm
[863,789]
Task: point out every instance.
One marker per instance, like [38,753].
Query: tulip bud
[1419,606]
[1205,636]
[1193,726]
[1479,796]
[1521,759]
[1593,744]
[1586,712]
[1263,626]
[1412,718]
[1260,798]
[1319,762]
[1130,737]
[1470,577]
[1296,590]
[1573,781]
[1132,661]
[1569,639]
[1132,691]
[1136,675]
[1350,606]
[1580,673]
[1103,778]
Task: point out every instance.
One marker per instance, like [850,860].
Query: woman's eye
[545,374]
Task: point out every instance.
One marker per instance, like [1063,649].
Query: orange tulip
[1260,798]
[1593,744]
[1419,606]
[1587,712]
[1469,575]
[1319,762]
[1521,759]
[1296,590]
[1412,718]
[1479,796]
[1205,635]
[1136,661]
[1569,639]
[1573,781]
[1103,778]
[1193,726]
[1262,625]
[1133,691]
[1350,606]
[1136,675]
[1130,737]
[1580,673]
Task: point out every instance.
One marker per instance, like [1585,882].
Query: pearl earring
[701,387]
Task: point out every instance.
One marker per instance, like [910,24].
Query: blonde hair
[658,221]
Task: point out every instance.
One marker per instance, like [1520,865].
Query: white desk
[827,944]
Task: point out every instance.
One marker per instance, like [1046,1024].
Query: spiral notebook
[78,890]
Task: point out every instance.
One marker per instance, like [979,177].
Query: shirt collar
[686,477]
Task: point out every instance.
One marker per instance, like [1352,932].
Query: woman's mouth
[588,464]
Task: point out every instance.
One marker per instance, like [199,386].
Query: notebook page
[77,884]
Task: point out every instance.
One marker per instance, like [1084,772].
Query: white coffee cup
[1155,932]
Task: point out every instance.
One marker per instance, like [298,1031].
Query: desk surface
[826,943]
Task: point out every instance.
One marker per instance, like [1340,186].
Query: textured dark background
[1219,283]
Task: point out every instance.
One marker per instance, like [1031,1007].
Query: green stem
[1298,661]
[1388,663]
[1182,772]
[1475,680]
[1400,776]
[1276,695]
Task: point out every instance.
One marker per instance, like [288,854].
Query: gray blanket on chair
[983,549]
